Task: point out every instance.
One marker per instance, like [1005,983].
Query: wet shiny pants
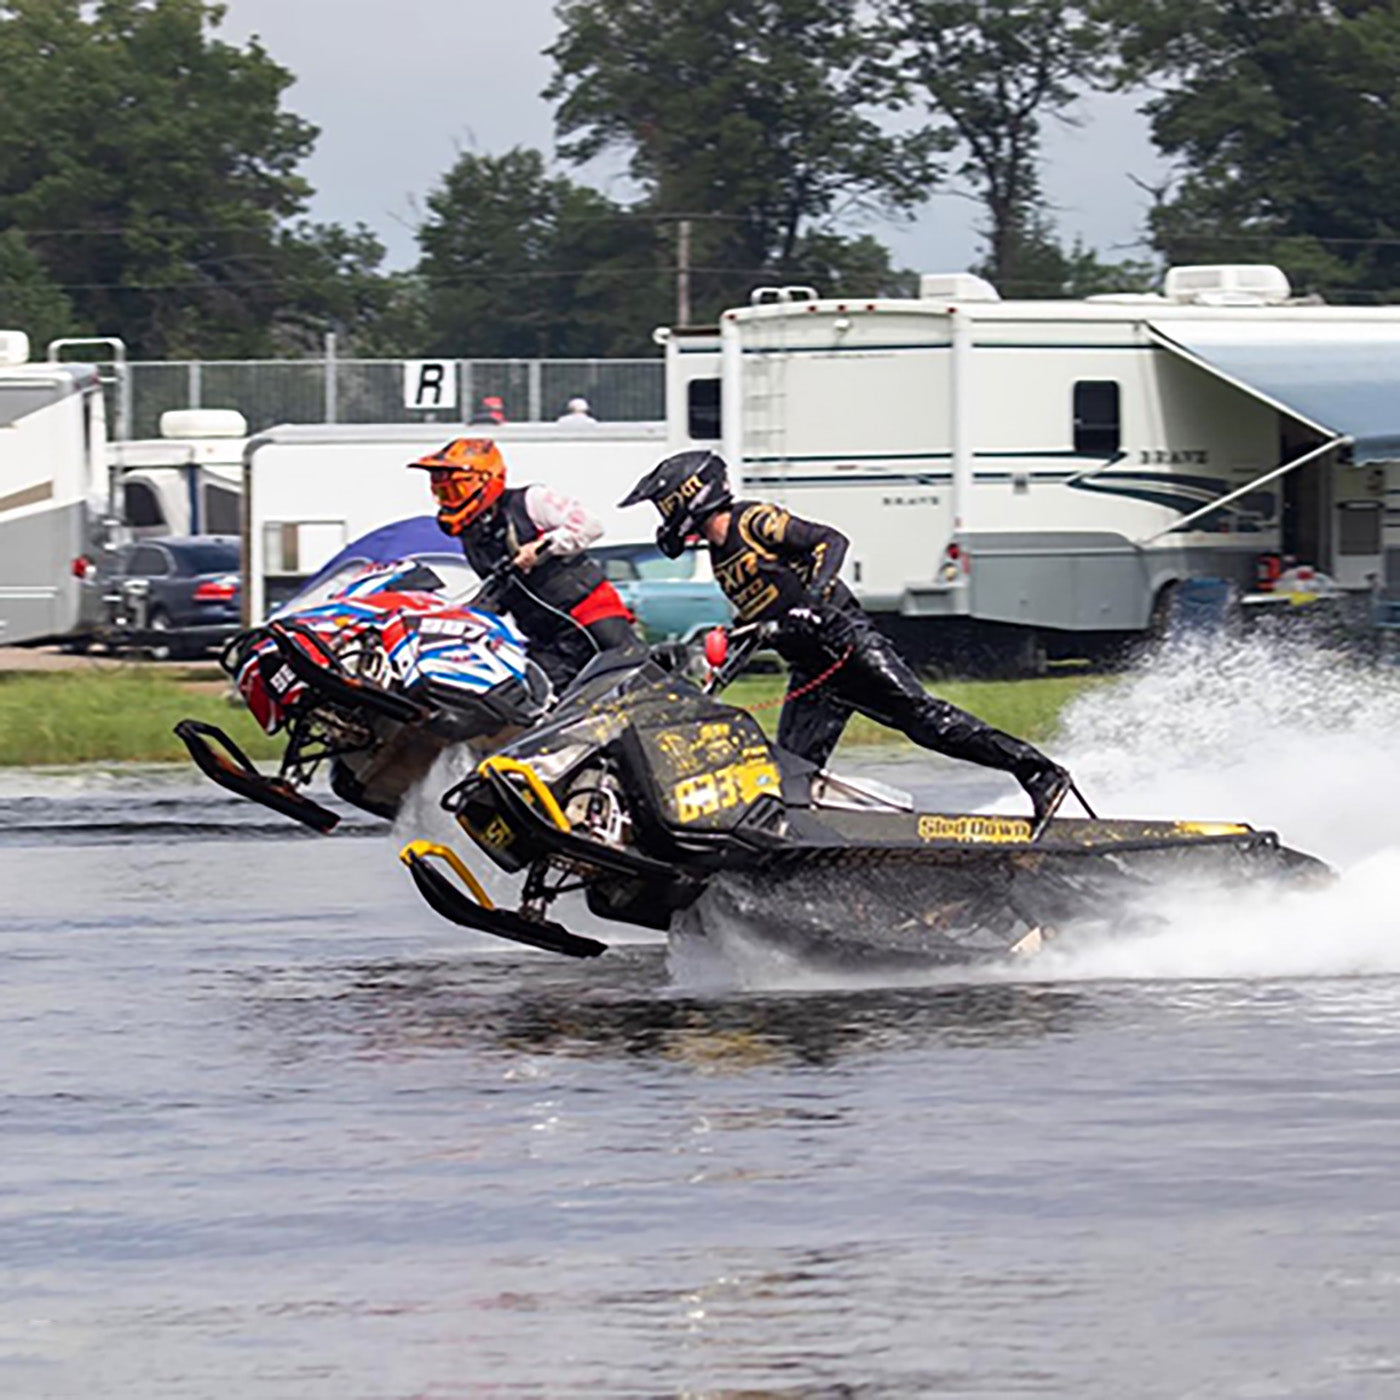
[876,681]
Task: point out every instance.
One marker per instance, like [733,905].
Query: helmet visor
[453,488]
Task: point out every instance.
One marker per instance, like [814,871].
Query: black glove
[816,623]
[802,623]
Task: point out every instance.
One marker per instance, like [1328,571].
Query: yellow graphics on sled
[711,768]
[994,830]
[735,785]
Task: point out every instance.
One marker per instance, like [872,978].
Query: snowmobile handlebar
[742,643]
[503,573]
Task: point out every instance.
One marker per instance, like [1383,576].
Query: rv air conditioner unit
[956,286]
[1228,284]
[14,348]
[203,423]
[764,296]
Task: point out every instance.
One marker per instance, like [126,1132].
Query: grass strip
[128,715]
[113,716]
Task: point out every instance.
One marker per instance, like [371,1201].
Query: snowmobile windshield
[447,574]
[597,708]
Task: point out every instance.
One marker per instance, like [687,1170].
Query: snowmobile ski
[233,770]
[479,913]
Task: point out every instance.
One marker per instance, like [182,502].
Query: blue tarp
[1340,376]
[418,534]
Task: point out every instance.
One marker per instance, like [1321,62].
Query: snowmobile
[663,805]
[376,681]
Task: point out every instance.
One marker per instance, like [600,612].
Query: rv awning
[1340,378]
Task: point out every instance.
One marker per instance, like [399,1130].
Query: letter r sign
[430,384]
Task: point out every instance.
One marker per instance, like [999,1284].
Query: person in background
[491,409]
[557,596]
[577,411]
[775,567]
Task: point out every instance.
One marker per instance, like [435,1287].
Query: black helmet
[687,488]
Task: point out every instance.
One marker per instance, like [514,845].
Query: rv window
[142,505]
[1098,430]
[222,511]
[702,408]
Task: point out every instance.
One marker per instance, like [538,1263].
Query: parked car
[175,597]
[672,598]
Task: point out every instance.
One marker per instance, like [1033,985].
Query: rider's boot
[1047,785]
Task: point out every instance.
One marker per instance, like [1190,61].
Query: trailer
[1046,473]
[309,490]
[53,493]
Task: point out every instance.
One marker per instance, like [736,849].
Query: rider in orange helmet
[557,596]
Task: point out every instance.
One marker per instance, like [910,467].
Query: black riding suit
[771,562]
[565,606]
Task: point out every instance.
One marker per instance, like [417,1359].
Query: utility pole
[683,272]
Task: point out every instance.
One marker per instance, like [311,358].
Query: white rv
[187,481]
[1054,468]
[53,491]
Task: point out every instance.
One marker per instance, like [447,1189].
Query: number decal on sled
[736,785]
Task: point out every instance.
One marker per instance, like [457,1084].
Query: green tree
[855,267]
[150,166]
[517,262]
[29,301]
[757,119]
[990,72]
[332,281]
[1044,267]
[1282,115]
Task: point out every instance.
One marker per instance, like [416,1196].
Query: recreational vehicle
[53,491]
[187,481]
[1046,472]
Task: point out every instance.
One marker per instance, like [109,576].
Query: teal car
[672,598]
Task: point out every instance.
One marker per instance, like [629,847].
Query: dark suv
[175,597]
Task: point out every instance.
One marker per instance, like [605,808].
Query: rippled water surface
[269,1129]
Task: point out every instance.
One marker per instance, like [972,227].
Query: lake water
[268,1128]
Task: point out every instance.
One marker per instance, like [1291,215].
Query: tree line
[150,185]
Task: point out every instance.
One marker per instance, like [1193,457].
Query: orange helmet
[468,477]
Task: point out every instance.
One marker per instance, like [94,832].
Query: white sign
[430,384]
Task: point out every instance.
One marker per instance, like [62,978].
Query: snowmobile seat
[606,662]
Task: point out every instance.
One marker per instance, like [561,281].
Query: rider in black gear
[776,567]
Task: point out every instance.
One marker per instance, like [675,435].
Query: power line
[181,230]
[246,284]
[1281,237]
[624,216]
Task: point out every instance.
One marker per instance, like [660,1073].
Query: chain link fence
[266,392]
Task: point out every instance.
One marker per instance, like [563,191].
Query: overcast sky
[399,87]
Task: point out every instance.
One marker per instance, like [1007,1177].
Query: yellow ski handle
[426,850]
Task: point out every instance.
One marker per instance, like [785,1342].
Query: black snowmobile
[652,797]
